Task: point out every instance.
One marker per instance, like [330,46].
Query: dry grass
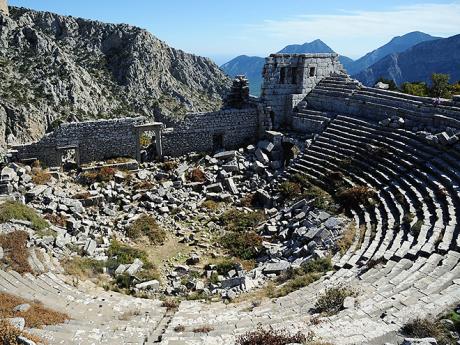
[83,268]
[348,236]
[105,174]
[143,185]
[37,316]
[16,253]
[40,176]
[211,205]
[170,304]
[203,329]
[9,335]
[197,175]
[169,165]
[354,196]
[146,226]
[56,219]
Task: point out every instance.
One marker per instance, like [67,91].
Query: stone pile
[171,192]
[239,93]
[445,138]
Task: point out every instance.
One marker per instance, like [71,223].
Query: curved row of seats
[416,185]
[96,317]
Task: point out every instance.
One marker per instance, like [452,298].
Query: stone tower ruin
[288,78]
[4,7]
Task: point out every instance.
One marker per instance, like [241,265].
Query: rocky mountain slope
[396,45]
[418,63]
[55,68]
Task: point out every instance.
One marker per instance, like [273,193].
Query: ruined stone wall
[93,141]
[288,78]
[377,105]
[200,132]
[4,7]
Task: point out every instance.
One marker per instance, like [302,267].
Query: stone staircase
[407,263]
[97,316]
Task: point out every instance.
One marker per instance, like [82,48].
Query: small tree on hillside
[440,85]
[416,89]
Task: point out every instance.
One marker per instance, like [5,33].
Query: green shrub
[321,265]
[15,210]
[331,302]
[235,220]
[269,336]
[225,266]
[294,279]
[290,190]
[146,226]
[245,246]
[120,253]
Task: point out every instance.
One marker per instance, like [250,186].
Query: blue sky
[223,29]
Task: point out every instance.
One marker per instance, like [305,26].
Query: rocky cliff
[55,68]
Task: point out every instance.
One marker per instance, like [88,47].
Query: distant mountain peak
[316,46]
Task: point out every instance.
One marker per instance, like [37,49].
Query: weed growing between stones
[294,279]
[331,301]
[429,328]
[270,336]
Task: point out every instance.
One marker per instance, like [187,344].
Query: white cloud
[354,33]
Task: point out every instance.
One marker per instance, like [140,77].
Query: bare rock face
[4,7]
[55,68]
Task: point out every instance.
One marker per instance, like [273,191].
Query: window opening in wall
[283,72]
[217,142]
[294,75]
[312,71]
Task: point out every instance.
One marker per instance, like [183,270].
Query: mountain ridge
[417,63]
[54,67]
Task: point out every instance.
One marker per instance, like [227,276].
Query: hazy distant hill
[396,45]
[417,63]
[250,66]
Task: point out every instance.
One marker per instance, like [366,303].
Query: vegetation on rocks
[239,221]
[354,196]
[105,174]
[146,226]
[294,279]
[331,301]
[246,245]
[15,210]
[83,268]
[270,336]
[15,249]
[9,335]
[36,316]
[429,328]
